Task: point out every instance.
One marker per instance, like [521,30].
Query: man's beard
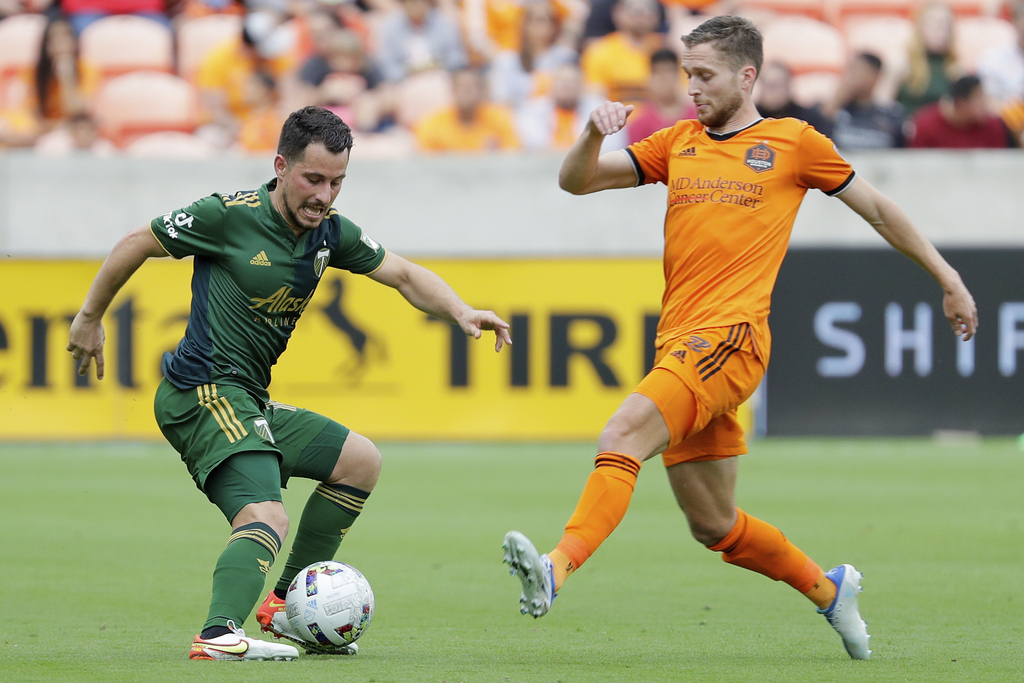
[720,116]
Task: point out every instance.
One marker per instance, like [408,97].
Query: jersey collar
[733,133]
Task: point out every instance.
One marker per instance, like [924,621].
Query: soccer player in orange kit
[735,182]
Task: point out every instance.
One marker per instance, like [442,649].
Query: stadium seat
[135,104]
[20,38]
[815,87]
[196,37]
[886,36]
[804,44]
[815,9]
[975,35]
[420,94]
[843,10]
[170,144]
[118,44]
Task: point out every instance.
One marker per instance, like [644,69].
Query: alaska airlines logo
[760,158]
[320,262]
[263,429]
[281,302]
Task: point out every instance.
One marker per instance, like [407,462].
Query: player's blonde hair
[735,37]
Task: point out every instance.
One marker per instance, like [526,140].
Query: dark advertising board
[861,346]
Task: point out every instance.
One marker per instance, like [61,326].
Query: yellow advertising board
[582,333]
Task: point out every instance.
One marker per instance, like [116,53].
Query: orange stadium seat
[815,9]
[975,35]
[887,37]
[118,44]
[420,94]
[135,104]
[196,37]
[20,38]
[842,10]
[815,87]
[170,144]
[804,44]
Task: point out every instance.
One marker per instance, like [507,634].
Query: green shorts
[211,423]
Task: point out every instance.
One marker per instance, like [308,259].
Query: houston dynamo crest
[320,263]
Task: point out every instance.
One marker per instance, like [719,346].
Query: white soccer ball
[329,603]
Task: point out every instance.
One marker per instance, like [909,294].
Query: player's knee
[709,531]
[271,513]
[359,464]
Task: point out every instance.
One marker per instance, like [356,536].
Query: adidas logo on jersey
[260,259]
[688,152]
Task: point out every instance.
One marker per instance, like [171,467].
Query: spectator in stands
[496,26]
[555,121]
[84,12]
[57,83]
[860,122]
[960,120]
[77,134]
[599,22]
[773,95]
[472,124]
[931,60]
[223,76]
[1001,69]
[419,37]
[260,128]
[524,73]
[340,79]
[667,100]
[620,63]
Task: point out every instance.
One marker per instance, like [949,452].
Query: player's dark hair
[313,124]
[735,37]
[963,87]
[871,59]
[664,56]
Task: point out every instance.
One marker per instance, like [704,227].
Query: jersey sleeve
[821,166]
[356,252]
[650,157]
[196,230]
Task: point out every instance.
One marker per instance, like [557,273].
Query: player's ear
[280,166]
[748,74]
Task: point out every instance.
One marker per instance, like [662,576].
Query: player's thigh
[310,443]
[719,369]
[244,479]
[638,428]
[211,423]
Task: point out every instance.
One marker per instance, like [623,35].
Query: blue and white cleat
[844,614]
[534,571]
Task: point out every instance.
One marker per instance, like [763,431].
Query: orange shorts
[719,368]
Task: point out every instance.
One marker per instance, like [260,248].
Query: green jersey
[252,279]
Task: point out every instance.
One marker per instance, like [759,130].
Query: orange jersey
[732,201]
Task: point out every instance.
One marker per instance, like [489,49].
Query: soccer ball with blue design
[329,604]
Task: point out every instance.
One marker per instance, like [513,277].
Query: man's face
[860,79]
[638,17]
[467,91]
[714,86]
[308,187]
[773,88]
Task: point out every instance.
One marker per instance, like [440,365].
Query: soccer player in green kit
[258,258]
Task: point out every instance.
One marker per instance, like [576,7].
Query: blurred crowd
[193,77]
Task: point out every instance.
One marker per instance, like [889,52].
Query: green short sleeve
[196,230]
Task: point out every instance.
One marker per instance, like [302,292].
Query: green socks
[241,572]
[327,517]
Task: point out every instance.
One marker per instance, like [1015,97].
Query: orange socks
[602,506]
[760,547]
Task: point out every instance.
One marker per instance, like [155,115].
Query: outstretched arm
[585,169]
[893,224]
[428,292]
[85,340]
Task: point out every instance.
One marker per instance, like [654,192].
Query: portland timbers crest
[320,263]
[263,429]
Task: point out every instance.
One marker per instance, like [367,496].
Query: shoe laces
[234,628]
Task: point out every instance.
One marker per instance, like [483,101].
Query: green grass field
[107,550]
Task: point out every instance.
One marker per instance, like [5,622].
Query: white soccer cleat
[844,614]
[273,619]
[534,571]
[235,647]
